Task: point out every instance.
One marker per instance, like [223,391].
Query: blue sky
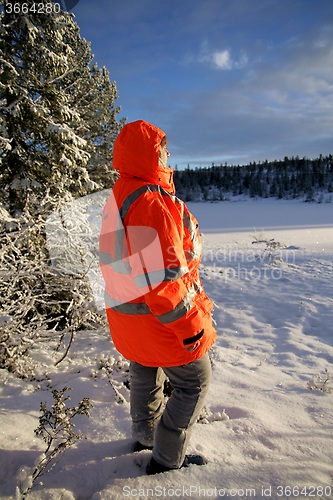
[228,80]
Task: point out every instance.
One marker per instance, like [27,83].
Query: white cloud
[222,60]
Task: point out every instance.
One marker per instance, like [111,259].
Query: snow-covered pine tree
[56,110]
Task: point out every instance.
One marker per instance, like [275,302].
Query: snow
[266,427]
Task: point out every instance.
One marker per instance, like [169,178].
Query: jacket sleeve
[169,288]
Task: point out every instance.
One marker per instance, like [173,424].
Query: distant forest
[289,178]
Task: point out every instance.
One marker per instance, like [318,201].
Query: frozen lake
[287,221]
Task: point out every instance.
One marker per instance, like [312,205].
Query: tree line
[311,179]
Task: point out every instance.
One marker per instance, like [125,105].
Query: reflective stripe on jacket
[150,251]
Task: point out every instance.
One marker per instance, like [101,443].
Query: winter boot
[155,467]
[139,447]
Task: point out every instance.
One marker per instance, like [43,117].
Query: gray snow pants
[167,427]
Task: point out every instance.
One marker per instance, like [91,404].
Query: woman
[158,313]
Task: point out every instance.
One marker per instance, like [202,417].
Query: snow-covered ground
[267,425]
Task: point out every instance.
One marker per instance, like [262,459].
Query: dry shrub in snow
[56,427]
[321,382]
[39,303]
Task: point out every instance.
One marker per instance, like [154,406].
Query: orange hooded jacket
[150,252]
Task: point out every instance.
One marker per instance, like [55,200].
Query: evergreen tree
[57,127]
[54,108]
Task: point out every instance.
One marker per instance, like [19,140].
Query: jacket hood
[136,154]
